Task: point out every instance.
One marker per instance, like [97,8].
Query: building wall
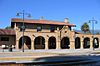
[10,41]
[91,37]
[60,33]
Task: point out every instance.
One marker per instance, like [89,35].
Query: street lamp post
[93,21]
[23,26]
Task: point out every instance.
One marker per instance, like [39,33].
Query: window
[22,28]
[69,27]
[52,29]
[39,28]
[4,38]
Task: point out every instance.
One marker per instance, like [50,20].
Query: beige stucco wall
[59,34]
[32,33]
[11,41]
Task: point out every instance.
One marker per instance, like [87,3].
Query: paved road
[87,55]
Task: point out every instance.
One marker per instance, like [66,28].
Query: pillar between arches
[99,42]
[72,44]
[32,44]
[81,45]
[58,45]
[91,44]
[17,44]
[46,43]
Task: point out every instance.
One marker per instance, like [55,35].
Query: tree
[97,33]
[8,27]
[85,28]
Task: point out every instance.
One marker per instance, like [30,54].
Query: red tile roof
[7,32]
[41,22]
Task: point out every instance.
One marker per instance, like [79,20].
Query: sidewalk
[48,55]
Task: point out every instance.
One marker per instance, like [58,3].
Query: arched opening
[96,43]
[27,43]
[86,42]
[39,43]
[65,42]
[77,43]
[52,43]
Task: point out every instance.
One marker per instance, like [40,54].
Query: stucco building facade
[47,34]
[7,38]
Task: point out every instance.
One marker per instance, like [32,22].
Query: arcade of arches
[48,34]
[41,42]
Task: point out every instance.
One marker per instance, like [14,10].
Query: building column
[99,43]
[81,45]
[72,45]
[58,45]
[17,44]
[58,40]
[46,43]
[32,44]
[91,44]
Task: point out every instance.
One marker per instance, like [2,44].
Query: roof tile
[7,32]
[41,22]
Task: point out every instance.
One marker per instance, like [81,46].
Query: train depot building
[46,34]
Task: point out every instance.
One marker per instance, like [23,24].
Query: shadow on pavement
[66,60]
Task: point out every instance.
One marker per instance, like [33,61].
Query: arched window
[77,43]
[65,42]
[39,42]
[27,42]
[86,42]
[96,43]
[52,43]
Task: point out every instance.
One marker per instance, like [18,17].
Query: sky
[77,11]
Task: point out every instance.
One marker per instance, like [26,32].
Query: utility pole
[23,26]
[93,21]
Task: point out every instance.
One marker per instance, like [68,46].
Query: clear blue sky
[78,11]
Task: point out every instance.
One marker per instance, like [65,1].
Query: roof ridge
[50,22]
[40,20]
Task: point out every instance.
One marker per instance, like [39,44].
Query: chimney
[41,18]
[66,20]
